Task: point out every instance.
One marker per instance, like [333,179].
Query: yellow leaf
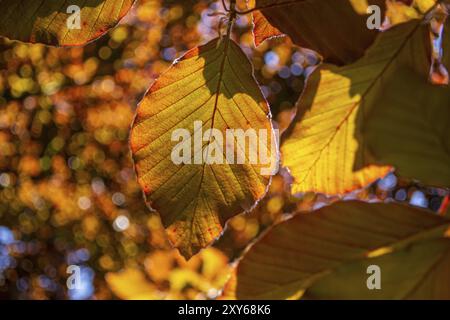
[210,87]
[424,5]
[60,22]
[131,284]
[343,239]
[399,12]
[356,121]
[335,29]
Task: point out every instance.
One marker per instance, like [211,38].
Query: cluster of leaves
[66,175]
[377,102]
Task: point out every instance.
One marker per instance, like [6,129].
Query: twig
[225,6]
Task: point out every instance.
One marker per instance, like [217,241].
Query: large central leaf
[325,254]
[354,122]
[212,85]
[49,21]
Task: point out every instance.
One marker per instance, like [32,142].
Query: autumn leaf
[210,87]
[318,255]
[54,22]
[403,11]
[262,29]
[400,12]
[426,277]
[335,29]
[354,122]
[132,284]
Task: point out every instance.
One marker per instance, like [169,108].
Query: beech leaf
[355,122]
[213,87]
[262,29]
[326,254]
[59,22]
[335,29]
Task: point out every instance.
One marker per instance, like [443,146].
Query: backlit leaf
[131,284]
[213,84]
[399,12]
[326,253]
[262,29]
[54,22]
[354,122]
[421,271]
[335,29]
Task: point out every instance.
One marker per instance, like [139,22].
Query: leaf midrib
[219,85]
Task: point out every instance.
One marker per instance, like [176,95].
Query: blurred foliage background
[68,191]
